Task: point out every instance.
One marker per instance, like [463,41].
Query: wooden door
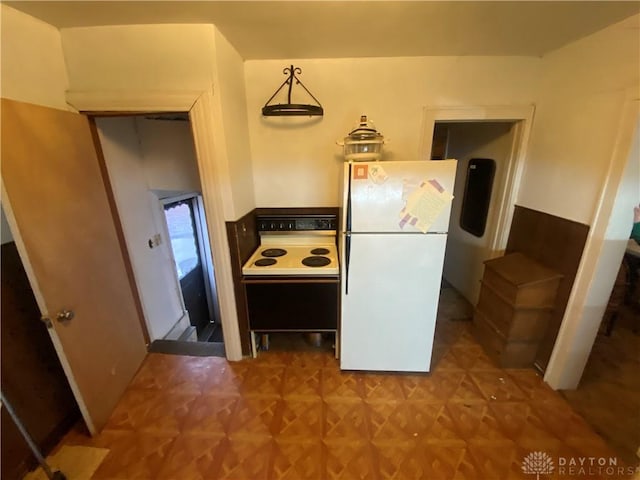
[57,203]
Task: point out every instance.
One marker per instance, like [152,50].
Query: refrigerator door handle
[348,225]
[347,235]
[347,238]
[347,253]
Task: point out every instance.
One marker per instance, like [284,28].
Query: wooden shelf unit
[516,301]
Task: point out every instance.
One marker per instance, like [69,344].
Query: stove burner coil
[316,261]
[273,252]
[264,262]
[319,251]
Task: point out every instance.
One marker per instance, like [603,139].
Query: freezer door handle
[347,235]
[347,254]
[348,222]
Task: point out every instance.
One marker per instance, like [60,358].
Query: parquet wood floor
[294,415]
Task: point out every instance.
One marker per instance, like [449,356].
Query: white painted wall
[578,108]
[139,57]
[233,147]
[295,159]
[465,253]
[33,69]
[137,207]
[168,156]
[173,58]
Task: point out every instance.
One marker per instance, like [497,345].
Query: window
[180,220]
[477,195]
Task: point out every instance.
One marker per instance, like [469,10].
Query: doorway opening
[155,179]
[498,133]
[486,152]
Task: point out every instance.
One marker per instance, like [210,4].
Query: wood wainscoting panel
[243,240]
[556,243]
[296,211]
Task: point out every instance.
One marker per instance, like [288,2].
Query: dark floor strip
[217,334]
[193,349]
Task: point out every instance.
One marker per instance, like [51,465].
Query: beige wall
[139,57]
[229,89]
[172,58]
[295,159]
[32,62]
[583,88]
[168,155]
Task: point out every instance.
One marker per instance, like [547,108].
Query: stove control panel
[296,224]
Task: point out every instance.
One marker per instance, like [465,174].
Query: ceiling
[327,29]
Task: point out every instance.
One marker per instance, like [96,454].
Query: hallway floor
[294,415]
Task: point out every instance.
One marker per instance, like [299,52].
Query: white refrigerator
[390,270]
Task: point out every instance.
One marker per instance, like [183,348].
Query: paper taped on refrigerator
[377,198]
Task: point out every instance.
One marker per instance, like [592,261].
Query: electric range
[291,280]
[295,245]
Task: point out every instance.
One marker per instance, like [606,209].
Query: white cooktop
[297,248]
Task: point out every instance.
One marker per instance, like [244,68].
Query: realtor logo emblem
[537,463]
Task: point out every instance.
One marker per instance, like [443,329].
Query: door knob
[65,316]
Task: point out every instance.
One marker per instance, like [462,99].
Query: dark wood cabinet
[516,301]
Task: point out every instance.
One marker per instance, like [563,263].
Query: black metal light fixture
[292,109]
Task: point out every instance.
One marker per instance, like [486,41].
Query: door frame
[522,117]
[200,106]
[578,331]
